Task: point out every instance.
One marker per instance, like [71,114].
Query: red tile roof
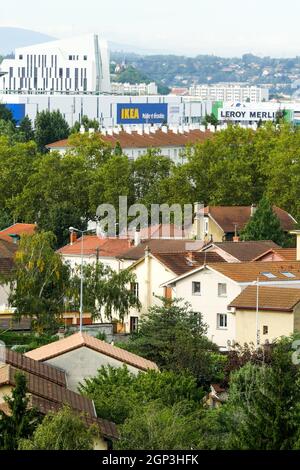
[79,340]
[48,372]
[107,247]
[245,251]
[47,397]
[47,390]
[180,263]
[160,246]
[134,140]
[229,217]
[270,299]
[7,254]
[17,229]
[249,272]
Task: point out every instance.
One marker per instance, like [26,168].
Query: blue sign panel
[145,113]
[18,111]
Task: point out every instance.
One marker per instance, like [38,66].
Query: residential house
[157,245]
[14,232]
[156,268]
[94,248]
[223,223]
[270,312]
[212,287]
[7,254]
[47,391]
[81,356]
[236,252]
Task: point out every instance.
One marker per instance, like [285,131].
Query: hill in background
[11,38]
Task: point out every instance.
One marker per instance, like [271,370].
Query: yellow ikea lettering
[130,113]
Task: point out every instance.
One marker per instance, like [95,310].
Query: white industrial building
[230,92]
[107,109]
[75,65]
[137,89]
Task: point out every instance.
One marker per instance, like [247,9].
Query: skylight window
[288,274]
[269,275]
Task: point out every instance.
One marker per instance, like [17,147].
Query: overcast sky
[221,27]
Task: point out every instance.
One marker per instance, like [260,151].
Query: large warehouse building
[79,64]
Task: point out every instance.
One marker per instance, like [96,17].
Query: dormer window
[269,275]
[288,274]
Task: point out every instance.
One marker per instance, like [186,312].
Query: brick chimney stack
[73,238]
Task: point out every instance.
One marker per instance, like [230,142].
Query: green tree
[116,392]
[16,166]
[63,430]
[264,225]
[21,421]
[56,195]
[25,130]
[107,293]
[210,119]
[50,126]
[150,171]
[264,403]
[6,114]
[86,123]
[90,147]
[118,149]
[157,427]
[39,282]
[173,336]
[110,181]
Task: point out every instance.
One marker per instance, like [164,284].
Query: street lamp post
[257,315]
[82,232]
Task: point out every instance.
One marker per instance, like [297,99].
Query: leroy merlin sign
[240,114]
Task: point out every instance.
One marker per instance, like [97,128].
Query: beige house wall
[5,390]
[215,231]
[278,323]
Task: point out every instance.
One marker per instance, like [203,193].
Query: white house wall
[209,304]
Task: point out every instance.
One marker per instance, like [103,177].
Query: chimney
[199,221]
[297,233]
[148,293]
[191,256]
[137,237]
[253,209]
[73,238]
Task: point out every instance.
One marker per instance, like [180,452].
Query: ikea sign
[146,113]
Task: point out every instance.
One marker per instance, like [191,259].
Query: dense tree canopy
[174,337]
[233,167]
[39,281]
[63,430]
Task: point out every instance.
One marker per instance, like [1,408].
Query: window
[269,275]
[134,287]
[265,330]
[134,324]
[206,226]
[70,57]
[288,274]
[222,290]
[196,288]
[222,321]
[85,57]
[20,57]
